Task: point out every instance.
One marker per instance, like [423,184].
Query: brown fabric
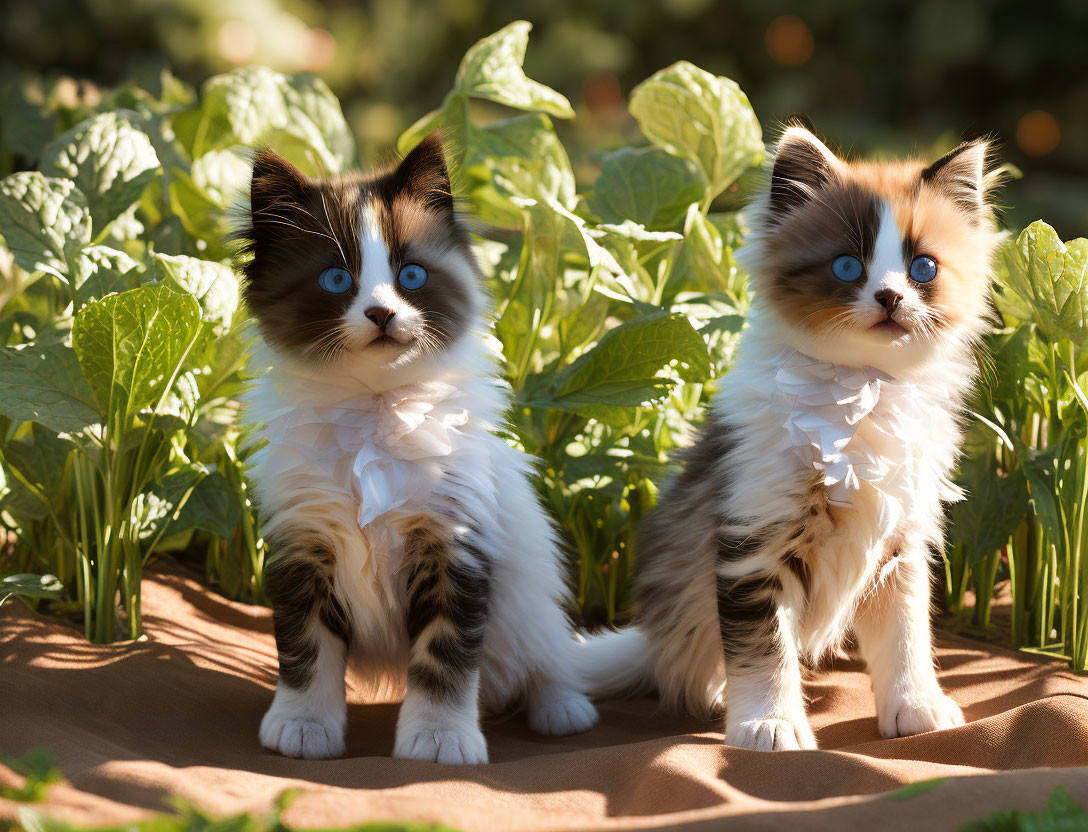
[178,714]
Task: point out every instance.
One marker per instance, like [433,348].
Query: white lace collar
[831,415]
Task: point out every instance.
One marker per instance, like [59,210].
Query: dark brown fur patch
[299,226]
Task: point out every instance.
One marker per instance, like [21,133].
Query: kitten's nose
[380,315]
[888,298]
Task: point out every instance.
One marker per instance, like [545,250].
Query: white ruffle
[852,424]
[384,449]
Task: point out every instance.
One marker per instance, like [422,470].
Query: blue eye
[923,269]
[335,280]
[412,276]
[847,268]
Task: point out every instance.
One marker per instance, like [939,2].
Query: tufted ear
[423,173]
[802,163]
[959,174]
[274,188]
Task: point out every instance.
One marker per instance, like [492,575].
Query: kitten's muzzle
[380,316]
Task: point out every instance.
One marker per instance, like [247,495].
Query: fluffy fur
[811,504]
[404,533]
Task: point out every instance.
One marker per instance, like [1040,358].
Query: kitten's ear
[423,173]
[959,174]
[802,163]
[276,185]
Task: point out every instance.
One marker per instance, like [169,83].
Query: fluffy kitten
[811,503]
[402,530]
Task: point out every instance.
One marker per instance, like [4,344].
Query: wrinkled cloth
[177,714]
[822,406]
[393,442]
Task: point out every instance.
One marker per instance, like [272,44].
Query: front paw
[770,734]
[561,713]
[458,747]
[305,737]
[908,715]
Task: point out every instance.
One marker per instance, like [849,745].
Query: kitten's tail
[616,663]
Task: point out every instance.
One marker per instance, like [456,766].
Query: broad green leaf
[109,158]
[1041,471]
[255,104]
[492,69]
[1063,814]
[701,117]
[1051,277]
[30,586]
[43,218]
[97,271]
[578,329]
[452,119]
[191,497]
[130,346]
[41,458]
[43,383]
[222,175]
[633,365]
[517,157]
[213,284]
[995,504]
[646,185]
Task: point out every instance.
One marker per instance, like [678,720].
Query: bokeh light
[789,40]
[1038,133]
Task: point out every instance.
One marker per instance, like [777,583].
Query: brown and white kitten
[403,531]
[812,502]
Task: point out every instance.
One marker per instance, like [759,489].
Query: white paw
[919,714]
[773,734]
[307,737]
[463,747]
[561,714]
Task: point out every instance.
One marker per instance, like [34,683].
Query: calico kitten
[812,502]
[403,531]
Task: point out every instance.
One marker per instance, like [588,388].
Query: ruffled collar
[852,424]
[384,448]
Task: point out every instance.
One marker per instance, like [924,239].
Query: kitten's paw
[562,713]
[306,737]
[773,734]
[919,714]
[462,747]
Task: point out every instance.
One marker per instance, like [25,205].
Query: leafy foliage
[125,344]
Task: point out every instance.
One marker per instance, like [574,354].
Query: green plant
[1027,511]
[125,347]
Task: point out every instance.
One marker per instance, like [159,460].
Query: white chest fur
[867,452]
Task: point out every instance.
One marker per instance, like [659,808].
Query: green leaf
[1063,814]
[41,458]
[29,586]
[130,346]
[25,127]
[43,383]
[97,271]
[41,219]
[912,790]
[255,105]
[647,185]
[492,69]
[1050,276]
[213,284]
[110,159]
[517,157]
[36,765]
[222,175]
[995,503]
[633,365]
[701,117]
[1041,471]
[191,497]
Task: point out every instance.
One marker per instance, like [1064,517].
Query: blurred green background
[875,77]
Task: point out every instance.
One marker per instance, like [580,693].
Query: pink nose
[380,316]
[888,298]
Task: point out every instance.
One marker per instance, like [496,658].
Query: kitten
[812,502]
[402,529]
